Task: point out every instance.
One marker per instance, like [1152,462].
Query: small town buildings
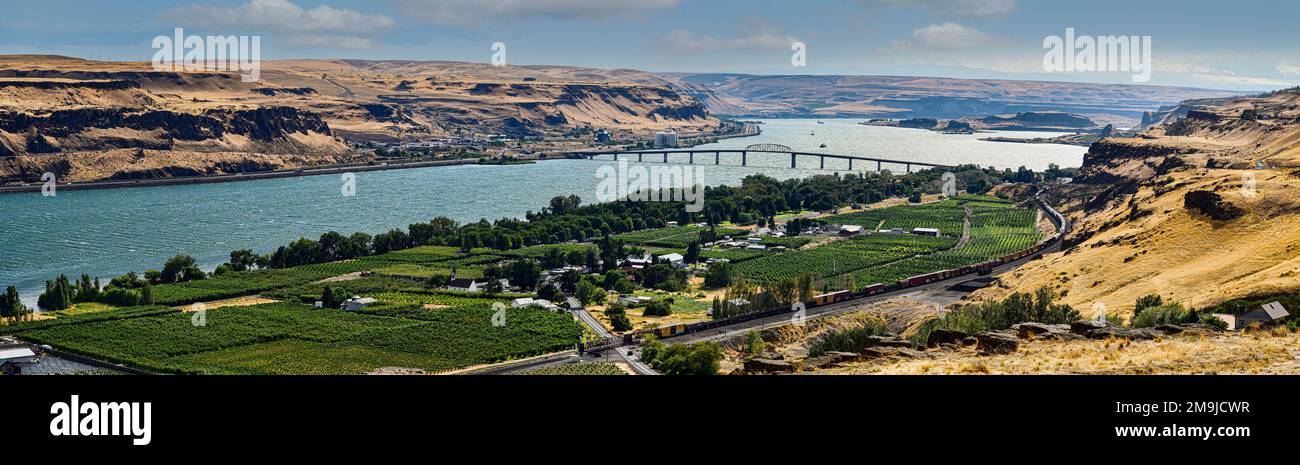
[850,230]
[758,247]
[357,303]
[604,136]
[932,232]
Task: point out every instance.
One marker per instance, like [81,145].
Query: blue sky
[1242,45]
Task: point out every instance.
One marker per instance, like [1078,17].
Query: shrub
[848,340]
[1215,322]
[1015,309]
[658,308]
[702,358]
[754,343]
[1167,314]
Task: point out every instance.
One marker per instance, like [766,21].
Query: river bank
[254,176]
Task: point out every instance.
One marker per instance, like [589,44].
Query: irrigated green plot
[298,339]
[946,216]
[840,257]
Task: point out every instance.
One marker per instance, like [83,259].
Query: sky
[1238,45]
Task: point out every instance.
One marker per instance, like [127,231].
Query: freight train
[982,269]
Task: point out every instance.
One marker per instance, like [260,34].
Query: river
[108,232]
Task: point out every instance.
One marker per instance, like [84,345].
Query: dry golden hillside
[1137,233]
[59,114]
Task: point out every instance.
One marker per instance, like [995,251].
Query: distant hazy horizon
[972,39]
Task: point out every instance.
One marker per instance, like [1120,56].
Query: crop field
[287,338]
[946,216]
[237,284]
[840,257]
[539,251]
[580,369]
[672,237]
[995,232]
[789,242]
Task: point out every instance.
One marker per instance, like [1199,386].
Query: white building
[464,285]
[531,302]
[14,359]
[850,230]
[674,259]
[932,232]
[357,303]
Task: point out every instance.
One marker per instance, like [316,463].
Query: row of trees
[11,306]
[128,290]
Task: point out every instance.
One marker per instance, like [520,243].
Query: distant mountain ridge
[744,95]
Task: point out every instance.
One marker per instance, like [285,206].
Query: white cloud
[949,36]
[755,34]
[320,26]
[477,12]
[951,8]
[1289,70]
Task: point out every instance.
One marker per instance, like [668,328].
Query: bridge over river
[662,156]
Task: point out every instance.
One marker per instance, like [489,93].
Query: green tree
[754,343]
[659,307]
[11,306]
[146,294]
[242,260]
[58,294]
[693,253]
[1147,301]
[618,318]
[720,275]
[181,268]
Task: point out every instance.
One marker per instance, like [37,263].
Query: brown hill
[1201,210]
[56,110]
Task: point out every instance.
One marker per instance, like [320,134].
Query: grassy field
[286,338]
[840,257]
[996,231]
[582,369]
[672,237]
